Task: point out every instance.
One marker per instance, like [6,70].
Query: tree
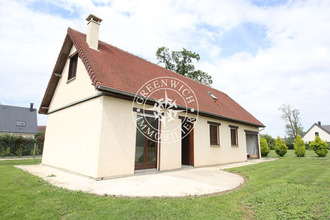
[181,63]
[270,140]
[294,127]
[264,147]
[320,147]
[299,147]
[280,147]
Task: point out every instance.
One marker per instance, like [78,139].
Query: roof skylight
[20,123]
[213,96]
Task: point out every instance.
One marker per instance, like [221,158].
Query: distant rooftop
[326,127]
[14,119]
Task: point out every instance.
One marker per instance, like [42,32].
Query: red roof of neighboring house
[114,68]
[41,128]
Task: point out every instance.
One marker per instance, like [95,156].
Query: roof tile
[117,69]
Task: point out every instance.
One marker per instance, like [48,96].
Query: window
[213,96]
[233,135]
[214,133]
[316,133]
[73,66]
[20,123]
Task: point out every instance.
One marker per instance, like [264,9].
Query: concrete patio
[183,182]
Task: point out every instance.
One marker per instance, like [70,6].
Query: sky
[261,53]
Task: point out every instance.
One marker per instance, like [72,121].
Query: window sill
[70,80]
[214,145]
[234,146]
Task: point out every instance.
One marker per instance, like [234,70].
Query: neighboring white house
[18,120]
[97,127]
[317,129]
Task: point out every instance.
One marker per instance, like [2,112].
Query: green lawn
[288,188]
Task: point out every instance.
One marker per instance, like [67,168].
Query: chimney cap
[94,18]
[31,106]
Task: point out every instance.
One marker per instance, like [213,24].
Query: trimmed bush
[320,147]
[280,147]
[299,147]
[264,147]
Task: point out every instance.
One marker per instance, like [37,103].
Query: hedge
[14,145]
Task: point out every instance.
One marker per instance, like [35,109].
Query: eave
[56,74]
[130,96]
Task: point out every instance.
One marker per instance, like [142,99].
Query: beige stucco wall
[310,136]
[97,138]
[73,137]
[170,150]
[73,134]
[206,154]
[75,89]
[117,139]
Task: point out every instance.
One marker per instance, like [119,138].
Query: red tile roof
[114,68]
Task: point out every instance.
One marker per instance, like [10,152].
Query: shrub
[19,152]
[308,147]
[290,146]
[320,147]
[280,147]
[28,146]
[18,145]
[299,147]
[264,147]
[14,145]
[270,140]
[40,143]
[7,141]
[7,152]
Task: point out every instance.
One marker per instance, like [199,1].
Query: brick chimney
[31,107]
[319,123]
[93,26]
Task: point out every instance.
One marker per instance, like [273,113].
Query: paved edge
[186,176]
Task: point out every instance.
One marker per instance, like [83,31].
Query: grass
[288,188]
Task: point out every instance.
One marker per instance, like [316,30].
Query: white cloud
[293,68]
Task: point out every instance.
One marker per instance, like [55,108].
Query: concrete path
[184,182]
[19,158]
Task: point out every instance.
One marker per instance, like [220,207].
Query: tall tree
[181,63]
[291,115]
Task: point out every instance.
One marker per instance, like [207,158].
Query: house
[18,120]
[317,129]
[111,113]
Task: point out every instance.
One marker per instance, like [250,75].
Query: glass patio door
[145,149]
